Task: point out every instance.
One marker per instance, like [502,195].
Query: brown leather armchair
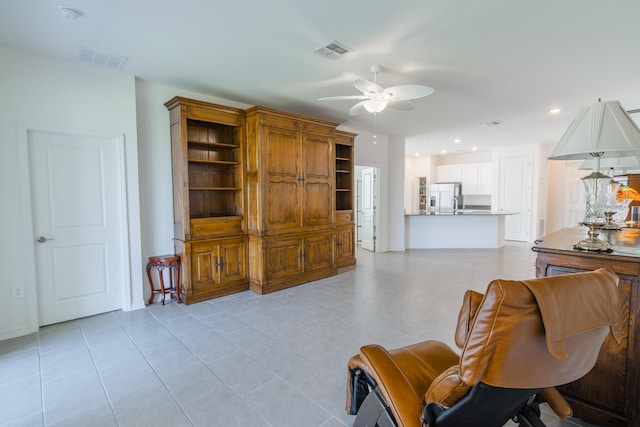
[518,341]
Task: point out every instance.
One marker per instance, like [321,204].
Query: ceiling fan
[375,98]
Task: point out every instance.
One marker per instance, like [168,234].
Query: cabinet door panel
[203,268]
[448,173]
[485,178]
[284,258]
[317,253]
[469,178]
[345,243]
[281,206]
[317,204]
[318,166]
[281,151]
[317,157]
[282,178]
[233,259]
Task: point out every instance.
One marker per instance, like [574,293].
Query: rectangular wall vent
[333,50]
[115,62]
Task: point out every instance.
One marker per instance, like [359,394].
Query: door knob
[42,239]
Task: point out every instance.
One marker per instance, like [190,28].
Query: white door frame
[30,286]
[376,196]
[525,216]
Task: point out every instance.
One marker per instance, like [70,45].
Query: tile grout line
[41,379]
[276,376]
[204,364]
[301,392]
[93,361]
[151,366]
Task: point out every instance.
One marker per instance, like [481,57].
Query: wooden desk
[608,395]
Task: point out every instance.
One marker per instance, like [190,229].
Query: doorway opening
[367,195]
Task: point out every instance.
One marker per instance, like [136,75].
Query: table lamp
[602,129]
[614,207]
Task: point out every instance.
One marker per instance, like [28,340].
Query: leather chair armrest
[556,402]
[405,404]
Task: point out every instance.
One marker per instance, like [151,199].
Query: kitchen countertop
[464,212]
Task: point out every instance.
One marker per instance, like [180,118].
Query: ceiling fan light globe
[375,105]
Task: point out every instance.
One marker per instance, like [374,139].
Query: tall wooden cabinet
[263,199]
[207,149]
[290,196]
[345,195]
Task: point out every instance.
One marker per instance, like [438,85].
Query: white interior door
[368,229]
[78,223]
[515,196]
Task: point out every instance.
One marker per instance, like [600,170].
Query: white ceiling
[509,61]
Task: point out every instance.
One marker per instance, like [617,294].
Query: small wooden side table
[160,262]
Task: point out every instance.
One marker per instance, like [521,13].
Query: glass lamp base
[592,243]
[610,225]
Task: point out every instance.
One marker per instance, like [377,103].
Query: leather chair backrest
[470,305]
[538,333]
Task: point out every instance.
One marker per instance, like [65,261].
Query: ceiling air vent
[332,50]
[115,62]
[492,123]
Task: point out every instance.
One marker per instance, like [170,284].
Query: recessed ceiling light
[474,148]
[417,154]
[69,12]
[444,151]
[457,140]
[554,111]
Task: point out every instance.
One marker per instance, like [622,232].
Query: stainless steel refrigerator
[444,197]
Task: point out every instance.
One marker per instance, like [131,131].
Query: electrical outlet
[18,292]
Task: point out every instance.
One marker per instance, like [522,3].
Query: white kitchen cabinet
[449,173]
[469,178]
[485,178]
[476,178]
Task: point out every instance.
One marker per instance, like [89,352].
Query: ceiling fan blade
[357,109]
[341,98]
[367,87]
[404,92]
[401,105]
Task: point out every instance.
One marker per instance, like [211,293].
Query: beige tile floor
[244,360]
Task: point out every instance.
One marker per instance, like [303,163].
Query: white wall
[396,197]
[154,149]
[415,167]
[38,90]
[366,153]
[555,190]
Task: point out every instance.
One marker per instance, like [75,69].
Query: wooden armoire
[262,198]
[207,149]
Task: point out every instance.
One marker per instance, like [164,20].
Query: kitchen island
[459,229]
